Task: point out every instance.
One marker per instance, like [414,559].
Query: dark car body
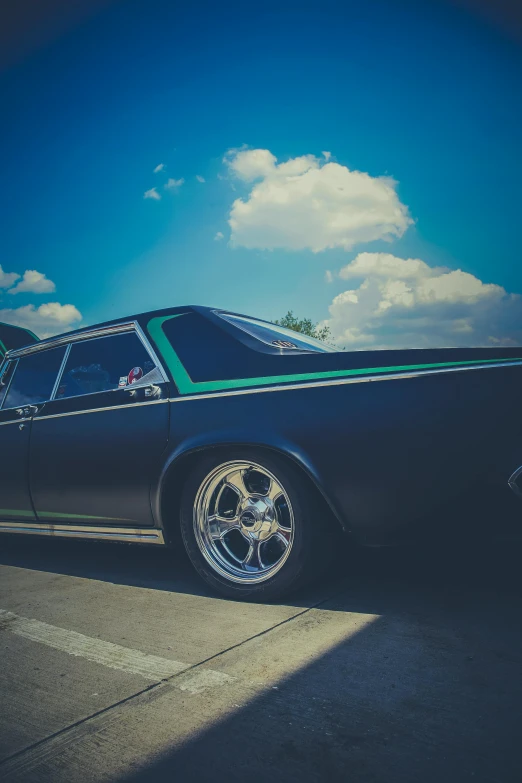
[391,440]
[12,337]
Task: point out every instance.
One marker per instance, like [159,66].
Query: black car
[258,443]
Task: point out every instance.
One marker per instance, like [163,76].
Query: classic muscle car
[258,444]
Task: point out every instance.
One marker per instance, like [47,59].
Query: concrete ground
[116,664]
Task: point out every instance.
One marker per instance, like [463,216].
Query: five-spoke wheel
[251,523]
[243,521]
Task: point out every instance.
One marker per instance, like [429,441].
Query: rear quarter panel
[387,455]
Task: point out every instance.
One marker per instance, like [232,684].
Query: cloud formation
[33,282]
[200,178]
[172,184]
[7,278]
[48,319]
[158,168]
[310,203]
[219,235]
[405,303]
[152,193]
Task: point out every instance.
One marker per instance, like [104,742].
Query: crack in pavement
[36,752]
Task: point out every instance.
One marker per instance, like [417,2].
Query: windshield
[278,336]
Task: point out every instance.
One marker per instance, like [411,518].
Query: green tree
[304,326]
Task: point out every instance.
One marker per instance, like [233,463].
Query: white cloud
[250,164]
[405,303]
[158,168]
[326,155]
[172,184]
[200,178]
[219,236]
[152,193]
[34,282]
[384,265]
[310,203]
[7,278]
[46,320]
[328,276]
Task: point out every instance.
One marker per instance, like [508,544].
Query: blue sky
[427,96]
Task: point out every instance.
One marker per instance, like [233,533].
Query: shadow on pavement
[444,567]
[153,567]
[430,692]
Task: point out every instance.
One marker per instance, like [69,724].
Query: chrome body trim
[98,410]
[512,482]
[15,421]
[135,535]
[339,381]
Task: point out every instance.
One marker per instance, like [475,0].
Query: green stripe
[186,385]
[57,515]
[15,512]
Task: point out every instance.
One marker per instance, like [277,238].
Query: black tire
[310,545]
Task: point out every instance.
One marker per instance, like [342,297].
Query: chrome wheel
[243,522]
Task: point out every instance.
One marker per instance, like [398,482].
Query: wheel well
[177,473]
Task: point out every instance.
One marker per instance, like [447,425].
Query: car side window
[34,378]
[105,364]
[5,377]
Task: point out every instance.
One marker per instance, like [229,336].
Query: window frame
[5,367]
[241,322]
[16,360]
[90,335]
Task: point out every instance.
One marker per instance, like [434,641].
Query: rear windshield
[278,336]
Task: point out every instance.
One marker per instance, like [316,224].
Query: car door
[96,446]
[27,382]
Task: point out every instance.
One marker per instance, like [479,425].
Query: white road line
[152,667]
[203,679]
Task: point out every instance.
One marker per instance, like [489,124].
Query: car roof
[145,316]
[139,318]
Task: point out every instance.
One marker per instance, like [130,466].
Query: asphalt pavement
[116,664]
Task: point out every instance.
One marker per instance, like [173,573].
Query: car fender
[190,446]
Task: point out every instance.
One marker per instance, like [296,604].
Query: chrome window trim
[53,342]
[228,317]
[7,390]
[152,353]
[60,372]
[148,348]
[42,402]
[136,535]
[91,334]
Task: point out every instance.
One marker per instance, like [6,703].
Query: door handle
[148,391]
[30,410]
